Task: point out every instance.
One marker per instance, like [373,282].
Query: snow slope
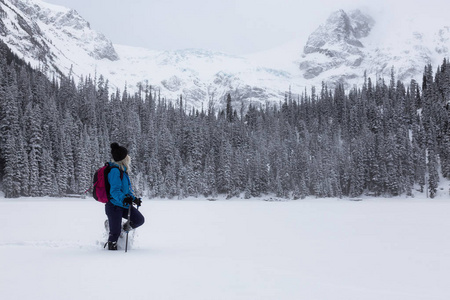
[59,41]
[230,249]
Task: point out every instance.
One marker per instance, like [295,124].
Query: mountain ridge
[58,41]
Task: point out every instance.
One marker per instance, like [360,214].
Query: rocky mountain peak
[342,30]
[61,23]
[361,23]
[37,10]
[336,43]
[339,24]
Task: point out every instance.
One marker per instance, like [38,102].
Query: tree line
[383,138]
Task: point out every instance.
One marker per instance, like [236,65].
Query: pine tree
[34,147]
[229,111]
[11,139]
[224,176]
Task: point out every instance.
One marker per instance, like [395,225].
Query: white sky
[230,26]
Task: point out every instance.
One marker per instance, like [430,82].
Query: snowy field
[378,249]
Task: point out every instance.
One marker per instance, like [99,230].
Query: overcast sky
[230,26]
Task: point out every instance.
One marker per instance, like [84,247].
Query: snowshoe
[123,235]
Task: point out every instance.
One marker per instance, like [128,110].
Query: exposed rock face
[42,27]
[338,40]
[341,31]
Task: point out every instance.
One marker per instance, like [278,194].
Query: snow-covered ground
[230,249]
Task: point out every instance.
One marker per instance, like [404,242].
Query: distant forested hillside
[383,138]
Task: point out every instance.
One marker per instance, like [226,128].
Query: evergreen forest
[384,138]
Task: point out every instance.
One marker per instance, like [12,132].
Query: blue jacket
[120,188]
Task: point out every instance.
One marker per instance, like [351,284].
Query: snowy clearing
[229,249]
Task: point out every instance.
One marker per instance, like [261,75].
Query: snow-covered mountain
[348,44]
[51,37]
[58,41]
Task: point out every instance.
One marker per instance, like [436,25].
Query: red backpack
[101,183]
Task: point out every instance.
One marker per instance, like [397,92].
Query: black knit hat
[118,152]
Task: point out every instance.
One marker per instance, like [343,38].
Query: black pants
[115,215]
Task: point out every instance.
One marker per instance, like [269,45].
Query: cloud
[233,26]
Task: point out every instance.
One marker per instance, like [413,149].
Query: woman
[121,197]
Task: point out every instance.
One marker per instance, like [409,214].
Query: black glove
[137,201]
[128,200]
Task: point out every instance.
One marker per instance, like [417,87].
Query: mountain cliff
[52,37]
[59,41]
[348,44]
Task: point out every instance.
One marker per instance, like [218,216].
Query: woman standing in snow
[121,197]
